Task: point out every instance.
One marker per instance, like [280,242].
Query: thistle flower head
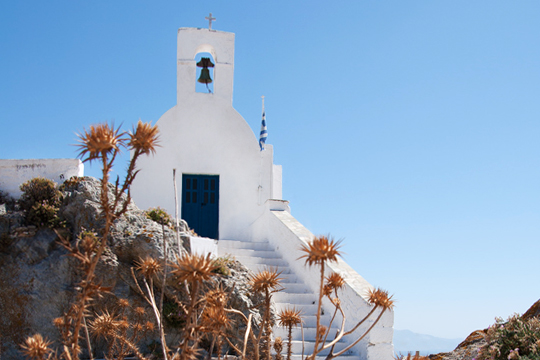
[320,250]
[215,320]
[278,344]
[123,303]
[103,325]
[149,267]
[139,311]
[216,298]
[289,317]
[149,326]
[380,297]
[265,280]
[59,322]
[99,140]
[334,281]
[144,138]
[193,268]
[36,347]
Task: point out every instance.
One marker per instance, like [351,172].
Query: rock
[534,311]
[468,349]
[38,280]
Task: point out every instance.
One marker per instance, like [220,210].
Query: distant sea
[406,341]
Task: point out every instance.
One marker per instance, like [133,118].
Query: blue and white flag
[264,132]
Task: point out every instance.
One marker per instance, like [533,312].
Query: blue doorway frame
[200,204]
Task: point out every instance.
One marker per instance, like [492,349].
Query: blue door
[200,204]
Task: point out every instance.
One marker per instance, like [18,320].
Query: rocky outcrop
[468,348]
[38,279]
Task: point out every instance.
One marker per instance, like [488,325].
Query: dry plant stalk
[325,249]
[101,143]
[289,318]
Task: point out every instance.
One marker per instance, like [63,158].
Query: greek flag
[264,132]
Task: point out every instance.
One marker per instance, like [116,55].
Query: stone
[38,279]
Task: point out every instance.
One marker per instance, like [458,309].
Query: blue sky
[408,128]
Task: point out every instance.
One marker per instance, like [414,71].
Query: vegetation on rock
[41,202]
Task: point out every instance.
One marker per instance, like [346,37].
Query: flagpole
[261,165]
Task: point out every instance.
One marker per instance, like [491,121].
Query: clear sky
[408,128]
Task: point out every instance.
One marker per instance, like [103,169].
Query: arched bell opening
[204,82]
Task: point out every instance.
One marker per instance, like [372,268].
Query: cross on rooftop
[210,19]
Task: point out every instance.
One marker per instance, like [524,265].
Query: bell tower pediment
[220,44]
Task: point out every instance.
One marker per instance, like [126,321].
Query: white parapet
[15,172]
[288,235]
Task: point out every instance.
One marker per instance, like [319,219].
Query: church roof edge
[205,29]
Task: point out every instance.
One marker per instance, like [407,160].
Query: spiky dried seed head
[36,347]
[320,250]
[278,345]
[123,324]
[149,326]
[334,282]
[266,280]
[289,317]
[321,331]
[190,353]
[139,311]
[149,267]
[123,303]
[59,322]
[215,320]
[144,138]
[193,268]
[103,325]
[380,297]
[99,140]
[216,298]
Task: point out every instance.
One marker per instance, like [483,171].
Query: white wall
[15,172]
[204,134]
[287,235]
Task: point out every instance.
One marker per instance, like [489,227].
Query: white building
[230,190]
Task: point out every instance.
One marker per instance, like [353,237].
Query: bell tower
[220,44]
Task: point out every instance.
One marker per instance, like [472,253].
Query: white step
[258,256]
[269,262]
[309,332]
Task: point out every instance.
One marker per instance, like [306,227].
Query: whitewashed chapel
[229,189]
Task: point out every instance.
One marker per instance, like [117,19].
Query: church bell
[205,78]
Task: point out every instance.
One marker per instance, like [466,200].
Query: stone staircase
[261,255]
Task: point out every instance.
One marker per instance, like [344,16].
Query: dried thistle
[144,138]
[36,347]
[266,280]
[123,303]
[379,297]
[100,140]
[320,250]
[149,267]
[216,297]
[335,281]
[278,347]
[104,325]
[289,317]
[193,268]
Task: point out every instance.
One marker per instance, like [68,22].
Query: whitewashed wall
[15,172]
[204,134]
[288,235]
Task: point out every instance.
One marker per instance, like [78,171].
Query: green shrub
[516,339]
[71,183]
[159,215]
[41,201]
[44,215]
[222,265]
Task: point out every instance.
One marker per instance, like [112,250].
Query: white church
[230,190]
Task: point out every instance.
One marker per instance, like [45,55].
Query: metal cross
[210,19]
